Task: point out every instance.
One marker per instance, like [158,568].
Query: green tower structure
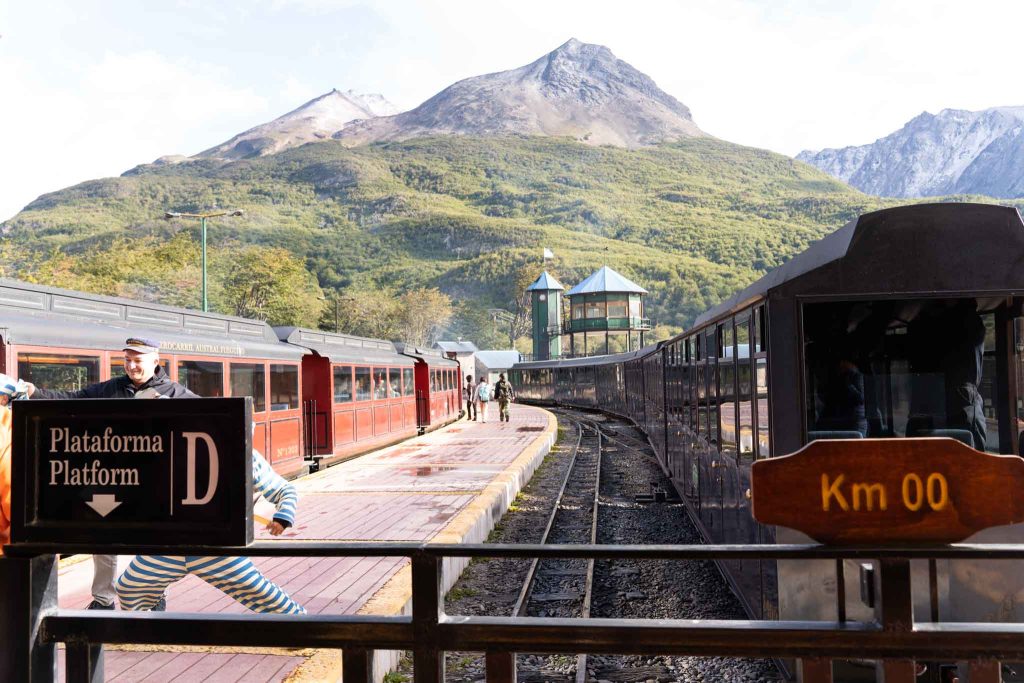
[606,315]
[546,297]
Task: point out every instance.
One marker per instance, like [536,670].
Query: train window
[202,377]
[433,381]
[761,383]
[284,387]
[250,379]
[760,330]
[394,383]
[380,384]
[363,383]
[343,384]
[59,371]
[407,382]
[904,368]
[745,409]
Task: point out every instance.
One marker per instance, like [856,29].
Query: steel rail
[519,609]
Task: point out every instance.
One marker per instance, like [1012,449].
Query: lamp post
[202,218]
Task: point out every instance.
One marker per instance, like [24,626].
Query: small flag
[548,254]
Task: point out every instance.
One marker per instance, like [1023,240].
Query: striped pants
[143,583]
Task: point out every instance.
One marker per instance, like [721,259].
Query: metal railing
[892,637]
[577,325]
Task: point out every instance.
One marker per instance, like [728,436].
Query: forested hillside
[691,221]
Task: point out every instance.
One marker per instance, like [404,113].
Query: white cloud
[111,115]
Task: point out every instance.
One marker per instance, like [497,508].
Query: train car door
[3,350]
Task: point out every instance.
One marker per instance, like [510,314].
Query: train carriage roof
[431,357]
[343,348]
[587,361]
[47,316]
[915,249]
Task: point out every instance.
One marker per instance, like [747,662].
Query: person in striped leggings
[142,585]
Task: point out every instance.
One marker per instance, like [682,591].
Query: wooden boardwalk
[441,487]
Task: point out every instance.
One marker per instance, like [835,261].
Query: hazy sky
[90,88]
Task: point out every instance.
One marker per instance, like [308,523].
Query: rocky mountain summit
[952,152]
[317,119]
[578,90]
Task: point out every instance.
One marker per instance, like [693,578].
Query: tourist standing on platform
[504,394]
[142,373]
[483,395]
[143,583]
[471,400]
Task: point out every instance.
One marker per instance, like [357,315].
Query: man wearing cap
[142,371]
[143,377]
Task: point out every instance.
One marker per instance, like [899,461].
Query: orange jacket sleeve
[5,476]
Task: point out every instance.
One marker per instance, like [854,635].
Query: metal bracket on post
[427,608]
[894,610]
[24,656]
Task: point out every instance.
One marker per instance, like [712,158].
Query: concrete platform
[449,486]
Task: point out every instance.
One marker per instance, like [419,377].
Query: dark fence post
[894,609]
[84,663]
[357,665]
[501,667]
[814,670]
[427,608]
[31,592]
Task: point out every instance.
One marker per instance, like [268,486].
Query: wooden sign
[113,471]
[888,491]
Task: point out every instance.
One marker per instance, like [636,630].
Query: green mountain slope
[691,221]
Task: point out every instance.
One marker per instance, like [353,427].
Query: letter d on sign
[190,485]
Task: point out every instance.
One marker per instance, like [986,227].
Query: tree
[424,312]
[363,312]
[520,302]
[272,285]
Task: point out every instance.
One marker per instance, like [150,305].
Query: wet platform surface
[413,491]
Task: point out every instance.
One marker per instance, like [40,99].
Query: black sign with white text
[127,471]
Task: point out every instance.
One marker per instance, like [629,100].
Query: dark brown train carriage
[60,339]
[904,322]
[357,394]
[438,386]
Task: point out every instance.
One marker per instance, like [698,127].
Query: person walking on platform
[483,395]
[504,394]
[470,396]
[143,583]
[142,373]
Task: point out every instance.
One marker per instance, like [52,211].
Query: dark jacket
[503,390]
[122,387]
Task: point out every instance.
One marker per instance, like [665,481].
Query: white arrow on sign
[103,504]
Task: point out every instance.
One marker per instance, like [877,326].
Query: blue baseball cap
[141,345]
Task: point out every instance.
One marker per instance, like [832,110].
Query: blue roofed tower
[606,314]
[546,300]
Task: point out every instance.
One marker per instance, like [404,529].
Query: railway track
[564,587]
[596,488]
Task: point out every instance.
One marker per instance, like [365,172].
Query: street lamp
[202,218]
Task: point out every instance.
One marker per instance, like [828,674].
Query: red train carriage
[61,339]
[438,386]
[357,394]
